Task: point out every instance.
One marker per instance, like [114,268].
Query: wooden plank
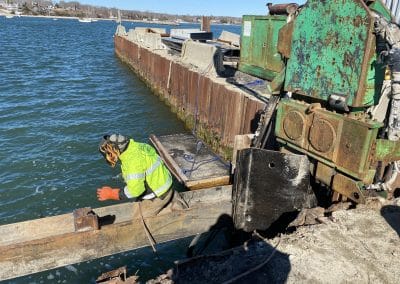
[206,183]
[59,247]
[56,225]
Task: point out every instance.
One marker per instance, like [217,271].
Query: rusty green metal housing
[333,52]
[341,142]
[259,46]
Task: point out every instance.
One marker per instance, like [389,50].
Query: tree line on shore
[76,9]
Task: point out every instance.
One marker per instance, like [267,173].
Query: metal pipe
[282,9]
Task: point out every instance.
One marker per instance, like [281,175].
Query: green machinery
[326,61]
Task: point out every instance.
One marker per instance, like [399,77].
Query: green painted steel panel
[379,7]
[333,53]
[259,54]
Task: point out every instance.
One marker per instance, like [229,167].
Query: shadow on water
[254,261]
[391,213]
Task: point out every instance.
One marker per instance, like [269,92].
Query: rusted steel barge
[218,110]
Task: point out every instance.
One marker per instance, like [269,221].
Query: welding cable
[199,164]
[236,278]
[254,83]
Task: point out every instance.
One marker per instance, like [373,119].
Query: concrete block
[148,40]
[228,37]
[132,35]
[120,31]
[207,58]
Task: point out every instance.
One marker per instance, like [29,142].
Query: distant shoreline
[77,18]
[2,13]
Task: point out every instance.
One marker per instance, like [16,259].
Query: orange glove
[107,192]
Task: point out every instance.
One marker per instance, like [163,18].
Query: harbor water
[61,89]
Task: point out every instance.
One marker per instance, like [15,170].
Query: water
[61,89]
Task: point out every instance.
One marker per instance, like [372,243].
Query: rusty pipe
[282,9]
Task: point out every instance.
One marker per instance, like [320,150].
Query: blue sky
[235,8]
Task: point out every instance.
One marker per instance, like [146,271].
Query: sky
[234,8]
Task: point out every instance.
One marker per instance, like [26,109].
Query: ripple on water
[61,89]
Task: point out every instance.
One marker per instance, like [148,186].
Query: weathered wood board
[191,161]
[33,246]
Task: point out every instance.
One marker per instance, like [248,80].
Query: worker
[147,178]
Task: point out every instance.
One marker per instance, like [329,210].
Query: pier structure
[47,243]
[215,109]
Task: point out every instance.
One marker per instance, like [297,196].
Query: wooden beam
[206,183]
[47,243]
[169,161]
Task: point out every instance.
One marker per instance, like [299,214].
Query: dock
[204,100]
[38,245]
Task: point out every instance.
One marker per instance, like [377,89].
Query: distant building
[9,7]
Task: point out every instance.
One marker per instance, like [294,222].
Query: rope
[146,229]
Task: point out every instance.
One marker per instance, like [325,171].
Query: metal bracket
[348,187]
[265,124]
[85,219]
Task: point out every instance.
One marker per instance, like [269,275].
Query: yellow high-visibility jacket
[141,164]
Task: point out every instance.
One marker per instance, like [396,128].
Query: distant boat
[9,16]
[85,20]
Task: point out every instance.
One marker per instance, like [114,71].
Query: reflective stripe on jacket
[140,163]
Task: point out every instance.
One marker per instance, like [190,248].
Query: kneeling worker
[147,178]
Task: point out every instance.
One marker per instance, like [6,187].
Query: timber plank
[26,256]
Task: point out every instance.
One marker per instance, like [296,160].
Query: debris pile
[360,245]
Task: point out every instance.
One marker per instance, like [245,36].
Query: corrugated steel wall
[222,112]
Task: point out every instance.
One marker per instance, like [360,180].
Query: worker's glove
[107,192]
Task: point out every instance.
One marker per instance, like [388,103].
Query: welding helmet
[111,146]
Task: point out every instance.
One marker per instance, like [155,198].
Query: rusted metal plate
[355,146]
[54,248]
[191,161]
[234,116]
[324,173]
[85,219]
[289,119]
[324,132]
[329,137]
[348,188]
[265,125]
[117,276]
[267,185]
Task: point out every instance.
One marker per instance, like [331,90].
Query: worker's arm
[108,193]
[132,191]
